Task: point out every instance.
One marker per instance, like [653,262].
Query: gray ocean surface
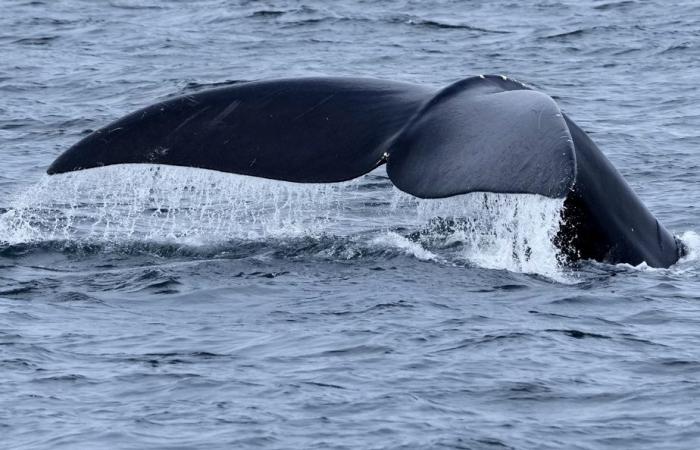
[146,307]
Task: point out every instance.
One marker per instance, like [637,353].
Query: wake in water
[123,206]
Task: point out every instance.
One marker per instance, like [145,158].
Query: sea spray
[192,207]
[498,231]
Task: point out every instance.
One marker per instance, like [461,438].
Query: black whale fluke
[304,130]
[486,133]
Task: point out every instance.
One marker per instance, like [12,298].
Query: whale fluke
[486,133]
[303,130]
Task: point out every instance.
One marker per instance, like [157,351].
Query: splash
[495,231]
[154,203]
[692,242]
[407,246]
[142,203]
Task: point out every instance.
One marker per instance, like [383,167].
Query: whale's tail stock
[486,133]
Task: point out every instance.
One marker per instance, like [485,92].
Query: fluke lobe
[485,133]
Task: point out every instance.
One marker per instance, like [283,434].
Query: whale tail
[486,133]
[304,130]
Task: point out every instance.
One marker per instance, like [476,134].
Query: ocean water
[160,307]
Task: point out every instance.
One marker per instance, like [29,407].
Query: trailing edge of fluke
[486,133]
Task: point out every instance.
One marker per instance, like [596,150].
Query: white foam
[500,231]
[402,243]
[691,239]
[200,207]
[166,203]
[692,242]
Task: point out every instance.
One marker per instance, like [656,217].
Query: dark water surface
[146,307]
